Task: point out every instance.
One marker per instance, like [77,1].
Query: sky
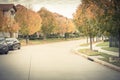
[63,7]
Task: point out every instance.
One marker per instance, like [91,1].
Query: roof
[7,7]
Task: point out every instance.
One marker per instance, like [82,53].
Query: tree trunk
[116,41]
[93,39]
[102,38]
[87,39]
[27,39]
[96,39]
[38,35]
[110,42]
[44,36]
[90,42]
[119,42]
[11,34]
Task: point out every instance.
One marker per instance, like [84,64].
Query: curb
[98,61]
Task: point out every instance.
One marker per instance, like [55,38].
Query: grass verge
[87,44]
[89,52]
[103,44]
[104,57]
[111,49]
[36,42]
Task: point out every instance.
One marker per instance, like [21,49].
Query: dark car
[3,46]
[13,43]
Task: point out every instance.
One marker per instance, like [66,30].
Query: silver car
[3,46]
[13,43]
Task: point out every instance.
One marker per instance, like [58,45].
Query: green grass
[103,44]
[36,42]
[111,49]
[105,57]
[87,44]
[89,52]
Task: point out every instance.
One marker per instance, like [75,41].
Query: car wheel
[6,52]
[18,46]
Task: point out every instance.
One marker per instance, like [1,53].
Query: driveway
[54,61]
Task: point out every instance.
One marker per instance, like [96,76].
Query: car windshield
[9,40]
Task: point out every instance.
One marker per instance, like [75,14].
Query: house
[9,11]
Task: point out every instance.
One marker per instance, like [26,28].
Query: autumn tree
[21,18]
[112,17]
[61,24]
[111,20]
[1,20]
[29,21]
[108,16]
[71,28]
[8,24]
[87,19]
[64,25]
[48,22]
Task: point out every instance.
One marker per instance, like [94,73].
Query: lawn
[111,49]
[36,42]
[89,52]
[105,57]
[103,44]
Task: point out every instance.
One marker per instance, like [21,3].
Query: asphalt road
[54,61]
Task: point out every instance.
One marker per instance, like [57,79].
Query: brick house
[9,11]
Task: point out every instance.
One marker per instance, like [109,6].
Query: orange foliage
[1,20]
[8,24]
[29,21]
[15,26]
[34,23]
[64,25]
[48,21]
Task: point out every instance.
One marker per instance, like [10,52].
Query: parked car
[3,46]
[13,43]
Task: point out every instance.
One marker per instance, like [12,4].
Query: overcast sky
[63,7]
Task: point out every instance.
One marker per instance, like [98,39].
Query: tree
[35,22]
[8,24]
[87,19]
[107,16]
[29,21]
[21,18]
[71,26]
[64,25]
[61,24]
[48,22]
[111,18]
[1,21]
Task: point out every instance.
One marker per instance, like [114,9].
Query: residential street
[53,61]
